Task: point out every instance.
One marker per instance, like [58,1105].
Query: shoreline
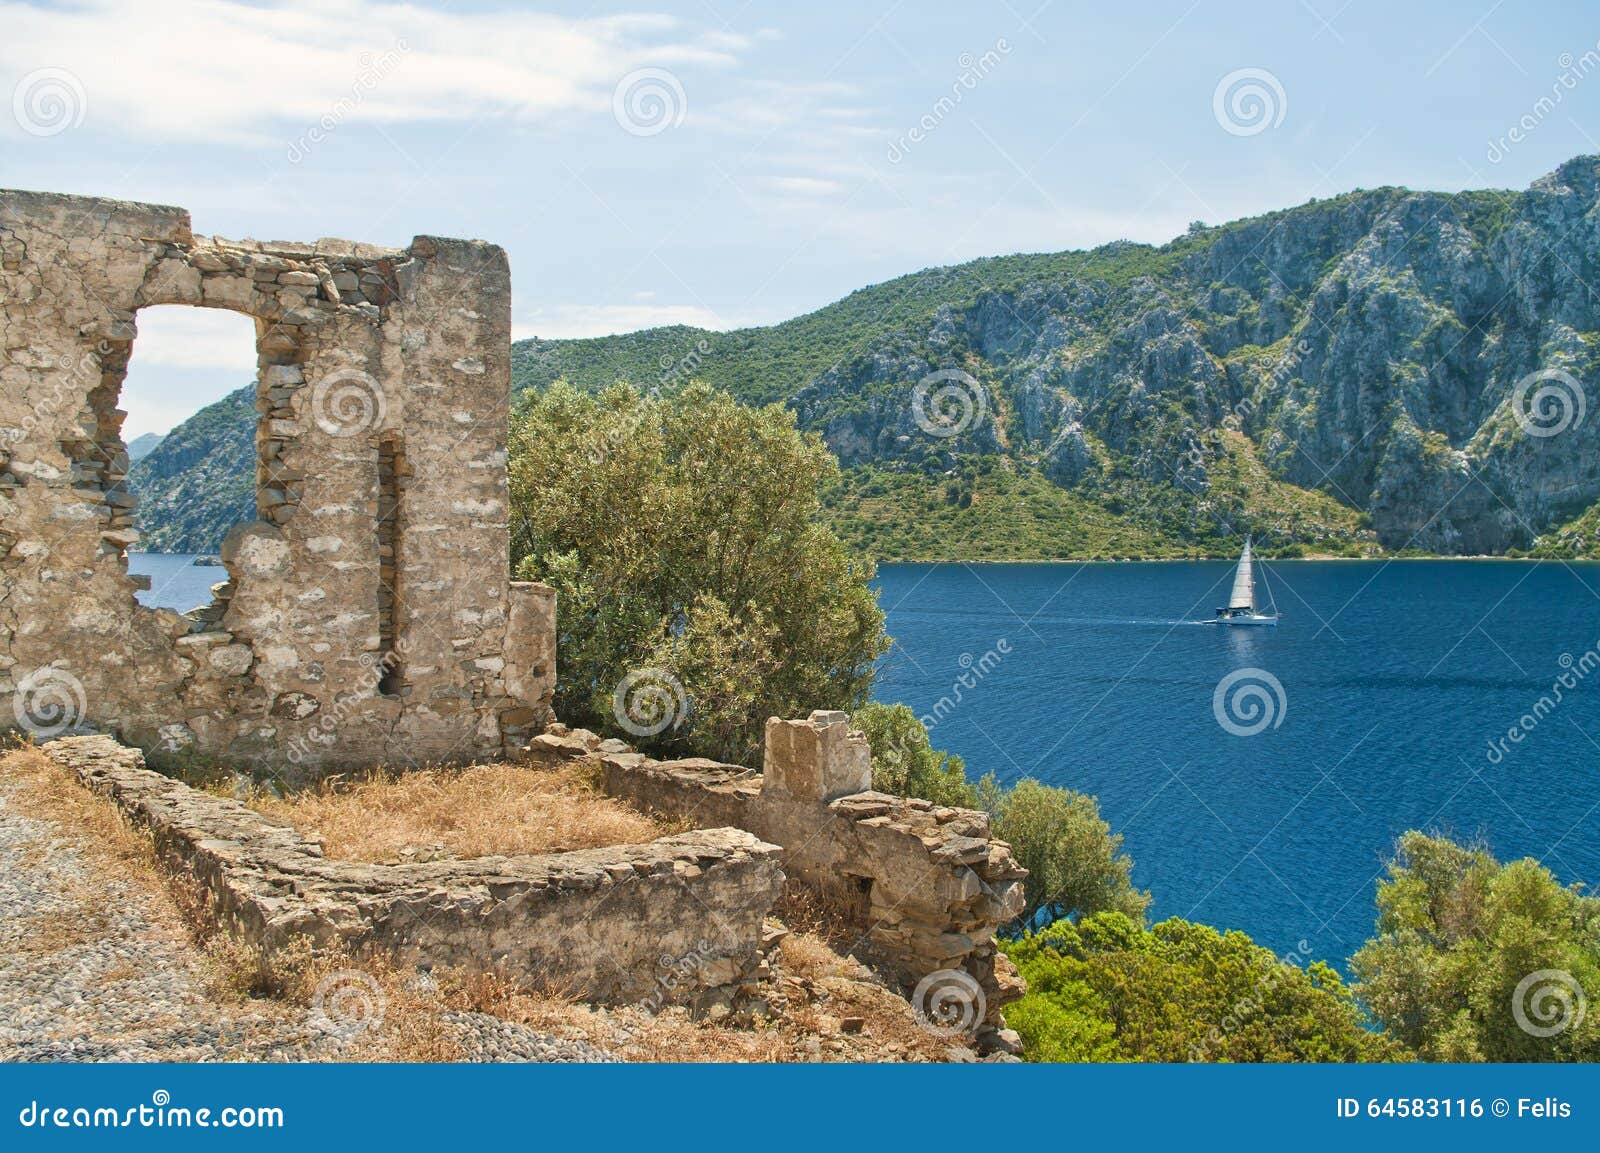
[1264,559]
[1219,559]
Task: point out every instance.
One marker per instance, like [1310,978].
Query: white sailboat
[1241,608]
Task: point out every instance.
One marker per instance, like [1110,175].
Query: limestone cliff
[1348,369]
[199,482]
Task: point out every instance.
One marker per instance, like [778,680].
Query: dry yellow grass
[111,849]
[814,988]
[813,991]
[479,811]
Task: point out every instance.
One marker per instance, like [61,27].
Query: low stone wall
[664,921]
[926,883]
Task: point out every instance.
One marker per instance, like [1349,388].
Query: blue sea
[1371,709]
[1376,699]
[176,582]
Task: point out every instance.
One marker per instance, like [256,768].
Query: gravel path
[91,971]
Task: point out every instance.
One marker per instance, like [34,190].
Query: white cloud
[806,186]
[183,337]
[575,321]
[221,70]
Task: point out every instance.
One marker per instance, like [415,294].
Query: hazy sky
[728,164]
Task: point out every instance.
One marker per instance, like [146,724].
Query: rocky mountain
[199,481]
[143,445]
[1386,369]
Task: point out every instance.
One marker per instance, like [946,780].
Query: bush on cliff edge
[699,594]
[1075,862]
[1108,989]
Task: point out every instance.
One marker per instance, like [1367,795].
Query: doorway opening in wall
[190,399]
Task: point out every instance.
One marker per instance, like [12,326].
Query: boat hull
[1255,621]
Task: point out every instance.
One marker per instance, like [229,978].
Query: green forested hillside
[1386,370]
[1382,369]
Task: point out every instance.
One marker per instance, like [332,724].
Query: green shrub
[1075,862]
[681,534]
[904,761]
[1107,989]
[1474,960]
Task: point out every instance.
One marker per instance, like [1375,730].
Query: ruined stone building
[367,617]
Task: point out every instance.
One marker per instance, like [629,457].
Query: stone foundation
[926,884]
[366,617]
[663,922]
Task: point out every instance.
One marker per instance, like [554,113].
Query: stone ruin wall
[676,920]
[927,885]
[367,620]
[367,617]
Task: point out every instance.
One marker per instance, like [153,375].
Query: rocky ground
[99,961]
[96,964]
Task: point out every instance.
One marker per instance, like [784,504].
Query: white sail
[1244,583]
